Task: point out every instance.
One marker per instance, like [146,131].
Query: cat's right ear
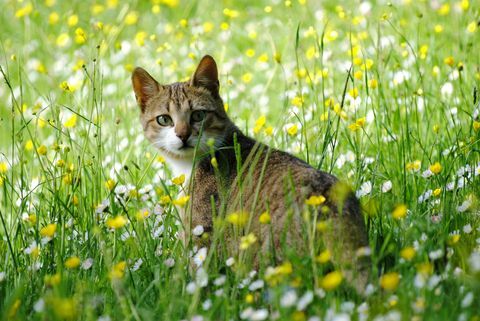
[144,85]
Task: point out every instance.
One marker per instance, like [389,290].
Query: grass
[383,96]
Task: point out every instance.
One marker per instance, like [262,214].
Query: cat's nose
[184,138]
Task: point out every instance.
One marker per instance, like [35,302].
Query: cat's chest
[179,167]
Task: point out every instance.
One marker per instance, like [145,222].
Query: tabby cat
[229,172]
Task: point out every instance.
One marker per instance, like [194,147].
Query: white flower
[467,229]
[170,262]
[467,300]
[258,284]
[32,247]
[230,261]
[202,277]
[387,186]
[245,314]
[87,263]
[289,298]
[464,206]
[220,280]
[341,317]
[365,189]
[39,306]
[198,230]
[191,287]
[474,261]
[158,209]
[137,265]
[207,305]
[305,300]
[426,174]
[435,255]
[259,315]
[447,90]
[200,256]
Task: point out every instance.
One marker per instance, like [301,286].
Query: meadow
[384,95]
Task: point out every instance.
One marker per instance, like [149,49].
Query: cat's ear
[206,75]
[144,85]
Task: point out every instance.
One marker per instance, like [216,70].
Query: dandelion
[181,201]
[71,122]
[72,262]
[407,253]
[324,257]
[247,241]
[259,124]
[131,18]
[399,212]
[118,271]
[435,168]
[264,218]
[390,281]
[331,281]
[315,200]
[179,180]
[116,222]
[238,218]
[3,167]
[292,130]
[48,230]
[42,150]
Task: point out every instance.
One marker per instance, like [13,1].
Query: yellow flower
[264,218]
[24,11]
[3,167]
[72,262]
[118,270]
[331,281]
[472,27]
[116,222]
[230,13]
[208,27]
[297,101]
[449,61]
[110,184]
[444,9]
[414,166]
[292,130]
[29,145]
[247,241]
[165,199]
[250,53]
[436,168]
[373,83]
[140,38]
[247,77]
[315,200]
[425,268]
[214,162]
[53,18]
[259,123]
[179,180]
[131,18]
[324,257]
[42,150]
[80,36]
[476,126]
[63,40]
[359,123]
[453,239]
[170,3]
[49,230]
[249,298]
[322,226]
[268,131]
[181,201]
[399,212]
[437,191]
[390,281]
[52,280]
[71,122]
[407,253]
[238,218]
[142,214]
[72,20]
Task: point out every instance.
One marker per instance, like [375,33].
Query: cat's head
[178,116]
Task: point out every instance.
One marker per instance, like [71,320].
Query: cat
[229,172]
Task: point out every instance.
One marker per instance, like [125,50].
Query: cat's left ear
[206,75]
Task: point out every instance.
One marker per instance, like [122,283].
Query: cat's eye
[198,116]
[164,120]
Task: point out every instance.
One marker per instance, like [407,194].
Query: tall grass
[382,96]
